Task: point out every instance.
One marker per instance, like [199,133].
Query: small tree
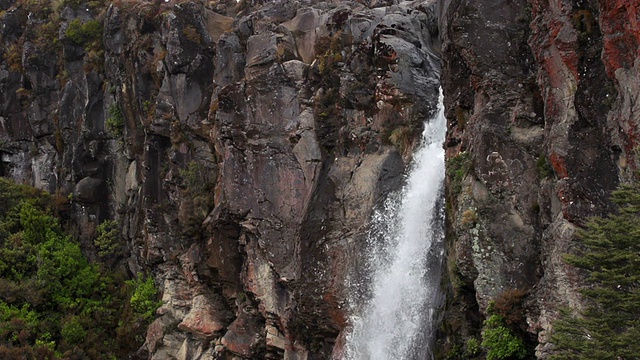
[609,251]
[107,239]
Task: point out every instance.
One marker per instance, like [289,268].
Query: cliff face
[540,98]
[241,147]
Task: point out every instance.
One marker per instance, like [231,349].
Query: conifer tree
[609,251]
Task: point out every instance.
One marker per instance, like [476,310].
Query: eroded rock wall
[241,146]
[542,127]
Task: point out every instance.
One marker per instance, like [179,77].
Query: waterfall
[404,256]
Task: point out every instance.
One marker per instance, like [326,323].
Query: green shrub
[499,342]
[74,32]
[88,33]
[52,299]
[115,121]
[544,167]
[107,239]
[457,168]
[72,331]
[401,138]
[144,300]
[13,57]
[472,348]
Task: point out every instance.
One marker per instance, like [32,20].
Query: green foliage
[74,4]
[499,341]
[52,299]
[144,300]
[472,348]
[401,138]
[510,305]
[84,33]
[107,239]
[198,182]
[327,101]
[544,167]
[115,121]
[13,57]
[609,251]
[196,178]
[72,331]
[457,168]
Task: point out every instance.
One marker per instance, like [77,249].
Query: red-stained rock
[155,333]
[580,70]
[244,335]
[620,24]
[205,319]
[559,165]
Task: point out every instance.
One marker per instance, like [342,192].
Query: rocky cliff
[241,146]
[541,102]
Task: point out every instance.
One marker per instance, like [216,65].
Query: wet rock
[546,149]
[242,147]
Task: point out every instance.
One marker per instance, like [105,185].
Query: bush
[144,297]
[544,167]
[457,168]
[72,331]
[402,138]
[510,305]
[107,239]
[88,33]
[13,57]
[469,218]
[115,121]
[499,342]
[43,275]
[472,348]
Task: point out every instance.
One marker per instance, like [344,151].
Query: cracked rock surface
[241,146]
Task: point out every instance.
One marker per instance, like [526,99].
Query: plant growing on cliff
[499,342]
[115,121]
[144,300]
[13,57]
[191,34]
[401,138]
[609,252]
[198,182]
[457,168]
[107,239]
[54,302]
[544,167]
[86,33]
[504,331]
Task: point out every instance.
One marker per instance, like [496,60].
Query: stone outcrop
[542,124]
[241,146]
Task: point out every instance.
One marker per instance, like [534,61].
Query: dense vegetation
[609,252]
[54,303]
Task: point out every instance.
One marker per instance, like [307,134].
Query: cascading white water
[404,257]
